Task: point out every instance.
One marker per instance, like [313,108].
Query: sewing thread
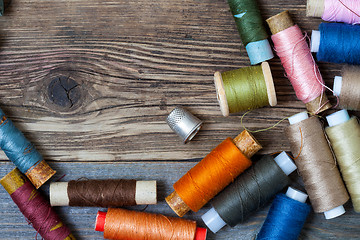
[250,191]
[316,165]
[125,224]
[285,219]
[345,141]
[350,95]
[339,43]
[34,207]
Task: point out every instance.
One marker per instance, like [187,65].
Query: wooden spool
[221,95]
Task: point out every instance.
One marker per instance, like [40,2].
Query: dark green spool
[248,20]
[1,7]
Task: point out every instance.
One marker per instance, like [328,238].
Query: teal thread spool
[1,7]
[252,30]
[245,89]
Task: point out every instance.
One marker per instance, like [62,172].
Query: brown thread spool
[119,224]
[103,193]
[316,165]
[245,144]
[283,21]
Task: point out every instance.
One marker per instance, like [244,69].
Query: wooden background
[90,83]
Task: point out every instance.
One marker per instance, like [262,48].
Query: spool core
[338,117]
[259,51]
[214,221]
[296,195]
[337,85]
[315,41]
[246,143]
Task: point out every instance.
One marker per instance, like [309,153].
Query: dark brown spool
[102,193]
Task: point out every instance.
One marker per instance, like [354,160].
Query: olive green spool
[245,89]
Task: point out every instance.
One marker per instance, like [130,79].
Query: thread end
[100,221]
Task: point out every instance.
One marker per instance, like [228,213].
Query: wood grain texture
[133,62]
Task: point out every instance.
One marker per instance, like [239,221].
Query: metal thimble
[183,123]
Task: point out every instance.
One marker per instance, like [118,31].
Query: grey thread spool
[183,123]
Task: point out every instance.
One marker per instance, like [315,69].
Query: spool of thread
[249,192]
[34,207]
[103,193]
[245,89]
[183,123]
[286,217]
[344,135]
[316,165]
[119,224]
[347,87]
[212,174]
[347,11]
[252,30]
[23,153]
[300,67]
[337,43]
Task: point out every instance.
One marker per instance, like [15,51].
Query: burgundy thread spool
[34,207]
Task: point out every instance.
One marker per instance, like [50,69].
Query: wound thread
[347,11]
[250,191]
[102,193]
[125,224]
[252,31]
[339,43]
[34,207]
[316,165]
[350,94]
[285,219]
[299,65]
[207,178]
[22,152]
[345,141]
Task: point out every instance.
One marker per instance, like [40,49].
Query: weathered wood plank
[134,61]
[81,220]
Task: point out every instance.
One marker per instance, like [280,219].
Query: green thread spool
[344,135]
[252,31]
[245,89]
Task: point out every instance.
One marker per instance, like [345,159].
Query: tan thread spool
[245,142]
[316,165]
[279,23]
[221,95]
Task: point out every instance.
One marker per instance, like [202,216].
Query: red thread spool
[119,224]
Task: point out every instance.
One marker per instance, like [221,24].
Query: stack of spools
[227,177]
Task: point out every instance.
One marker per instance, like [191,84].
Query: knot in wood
[64,91]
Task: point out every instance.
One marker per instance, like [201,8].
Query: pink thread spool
[347,11]
[301,69]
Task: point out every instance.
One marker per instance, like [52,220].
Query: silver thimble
[183,123]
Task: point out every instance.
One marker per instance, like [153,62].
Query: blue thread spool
[337,43]
[22,153]
[286,217]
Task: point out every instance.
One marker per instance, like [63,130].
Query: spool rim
[270,87]
[220,94]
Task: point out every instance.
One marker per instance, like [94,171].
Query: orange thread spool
[119,224]
[223,164]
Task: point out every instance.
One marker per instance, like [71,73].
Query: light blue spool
[16,147]
[259,51]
